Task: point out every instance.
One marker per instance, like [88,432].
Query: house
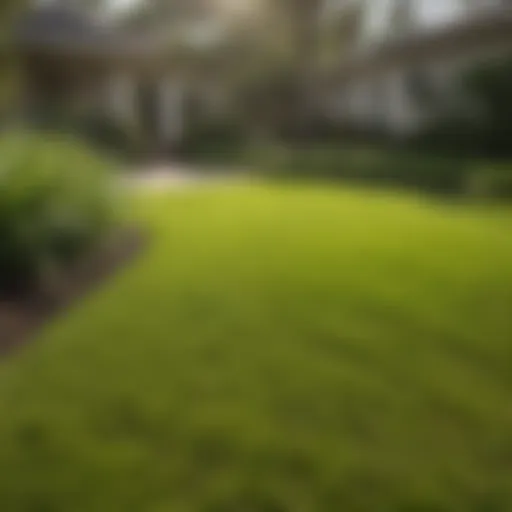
[402,61]
[78,66]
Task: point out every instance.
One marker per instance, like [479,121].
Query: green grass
[277,349]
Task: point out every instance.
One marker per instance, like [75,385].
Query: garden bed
[21,316]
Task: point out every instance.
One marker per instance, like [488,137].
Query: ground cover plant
[277,348]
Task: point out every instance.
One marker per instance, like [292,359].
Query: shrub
[214,141]
[123,140]
[54,203]
[492,182]
[480,124]
[490,84]
[99,130]
[391,167]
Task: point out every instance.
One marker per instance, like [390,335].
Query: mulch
[23,316]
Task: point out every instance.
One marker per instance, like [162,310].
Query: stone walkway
[162,177]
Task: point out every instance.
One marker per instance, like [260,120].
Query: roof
[58,25]
[59,28]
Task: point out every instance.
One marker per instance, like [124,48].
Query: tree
[9,9]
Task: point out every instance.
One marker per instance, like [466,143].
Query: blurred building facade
[76,66]
[403,58]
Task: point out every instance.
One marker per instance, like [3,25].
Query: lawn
[276,349]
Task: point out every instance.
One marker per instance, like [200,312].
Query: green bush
[120,139]
[491,182]
[214,141]
[108,135]
[490,84]
[391,167]
[480,125]
[54,202]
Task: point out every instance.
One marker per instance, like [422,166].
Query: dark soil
[22,316]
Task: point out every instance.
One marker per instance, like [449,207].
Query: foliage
[391,167]
[9,9]
[481,123]
[101,131]
[491,181]
[277,349]
[9,69]
[490,84]
[122,140]
[53,203]
[220,141]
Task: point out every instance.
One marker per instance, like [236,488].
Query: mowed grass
[276,349]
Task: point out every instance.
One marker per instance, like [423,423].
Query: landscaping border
[22,317]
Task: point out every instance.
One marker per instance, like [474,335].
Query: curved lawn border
[21,317]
